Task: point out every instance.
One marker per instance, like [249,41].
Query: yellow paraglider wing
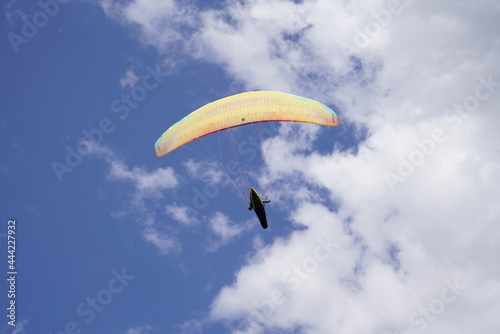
[242,109]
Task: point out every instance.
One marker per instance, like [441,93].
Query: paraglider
[242,109]
[257,204]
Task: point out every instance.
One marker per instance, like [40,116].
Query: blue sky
[386,223]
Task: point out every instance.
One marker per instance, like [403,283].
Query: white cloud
[165,243]
[403,252]
[162,24]
[192,326]
[13,12]
[207,171]
[129,79]
[181,213]
[148,186]
[19,329]
[224,230]
[145,329]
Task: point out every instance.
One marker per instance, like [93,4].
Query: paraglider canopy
[242,109]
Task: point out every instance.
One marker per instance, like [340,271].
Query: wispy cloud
[206,170]
[14,12]
[19,329]
[163,240]
[147,186]
[181,213]
[129,79]
[224,230]
[144,329]
[192,326]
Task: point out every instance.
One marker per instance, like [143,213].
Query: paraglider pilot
[257,204]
